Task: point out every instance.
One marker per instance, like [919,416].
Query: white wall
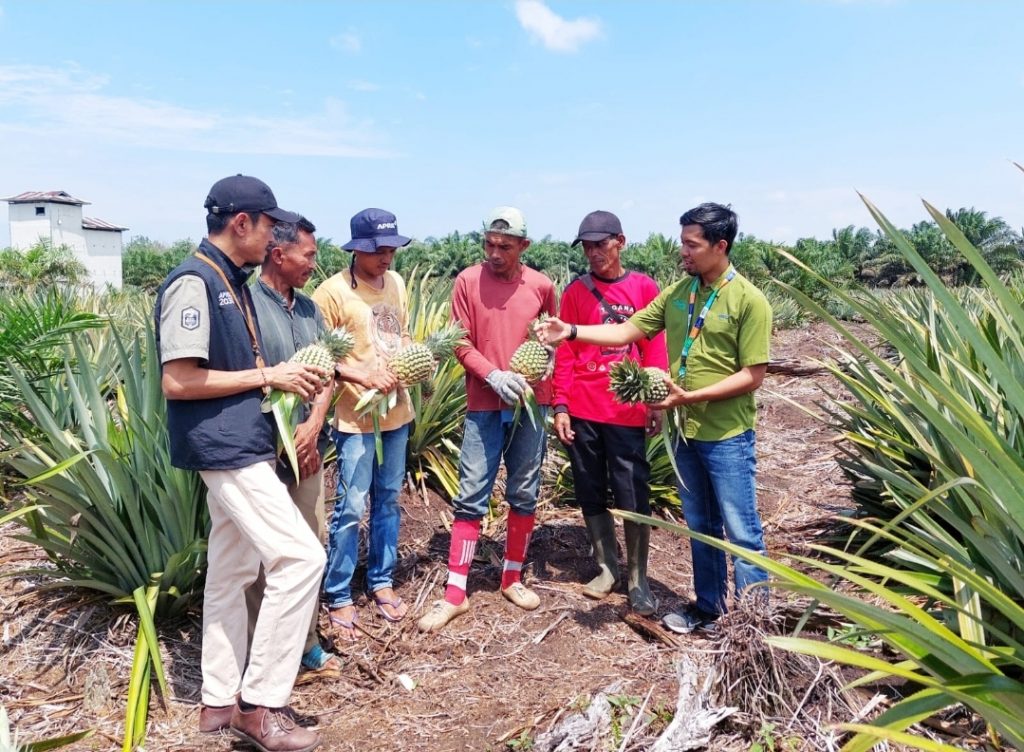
[104,259]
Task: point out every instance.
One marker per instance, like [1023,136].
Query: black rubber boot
[601,528]
[638,544]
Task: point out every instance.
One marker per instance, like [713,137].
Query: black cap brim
[591,236]
[280,215]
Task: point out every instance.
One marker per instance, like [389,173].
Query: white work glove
[510,386]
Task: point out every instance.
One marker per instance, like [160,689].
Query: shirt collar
[276,296]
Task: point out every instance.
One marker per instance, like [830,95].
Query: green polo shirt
[736,333]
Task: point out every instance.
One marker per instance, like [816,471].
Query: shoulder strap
[246,311]
[588,282]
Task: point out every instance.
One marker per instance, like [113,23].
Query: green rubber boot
[638,544]
[601,528]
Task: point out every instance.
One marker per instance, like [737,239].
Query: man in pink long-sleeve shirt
[604,438]
[496,301]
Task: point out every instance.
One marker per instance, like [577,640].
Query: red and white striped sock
[520,526]
[460,556]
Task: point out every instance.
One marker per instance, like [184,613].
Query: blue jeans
[362,479]
[489,437]
[720,495]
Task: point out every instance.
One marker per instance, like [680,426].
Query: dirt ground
[495,677]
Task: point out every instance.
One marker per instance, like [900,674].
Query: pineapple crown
[443,342]
[338,342]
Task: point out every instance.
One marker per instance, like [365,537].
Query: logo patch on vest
[224,298]
[190,318]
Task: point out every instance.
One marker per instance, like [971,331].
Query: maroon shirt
[498,315]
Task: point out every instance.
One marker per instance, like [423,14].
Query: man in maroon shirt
[496,301]
[604,438]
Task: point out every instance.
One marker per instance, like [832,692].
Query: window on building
[40,211]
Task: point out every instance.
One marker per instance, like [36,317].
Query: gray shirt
[286,329]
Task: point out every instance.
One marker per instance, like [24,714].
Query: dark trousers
[604,456]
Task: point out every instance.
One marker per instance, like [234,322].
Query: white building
[56,217]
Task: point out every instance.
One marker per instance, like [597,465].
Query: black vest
[225,433]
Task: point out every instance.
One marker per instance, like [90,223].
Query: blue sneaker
[690,619]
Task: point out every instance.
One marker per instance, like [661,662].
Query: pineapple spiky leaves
[332,347]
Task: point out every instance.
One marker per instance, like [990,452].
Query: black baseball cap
[244,193]
[373,229]
[598,225]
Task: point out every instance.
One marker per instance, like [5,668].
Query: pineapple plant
[325,352]
[415,363]
[632,383]
[532,359]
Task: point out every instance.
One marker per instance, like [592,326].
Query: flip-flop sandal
[382,602]
[337,621]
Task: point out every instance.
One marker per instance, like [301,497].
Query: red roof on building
[91,223]
[52,197]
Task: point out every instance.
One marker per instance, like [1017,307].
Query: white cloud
[69,103]
[363,86]
[474,42]
[554,32]
[347,41]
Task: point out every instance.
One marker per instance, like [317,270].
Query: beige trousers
[308,496]
[254,522]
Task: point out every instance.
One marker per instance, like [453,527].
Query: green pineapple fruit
[532,359]
[325,352]
[415,363]
[657,389]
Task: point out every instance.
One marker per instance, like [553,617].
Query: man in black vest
[214,379]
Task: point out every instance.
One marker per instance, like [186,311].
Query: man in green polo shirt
[718,327]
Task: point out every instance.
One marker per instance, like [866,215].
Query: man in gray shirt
[289,321]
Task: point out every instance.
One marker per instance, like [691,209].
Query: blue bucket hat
[373,229]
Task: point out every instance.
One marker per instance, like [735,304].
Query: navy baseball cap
[597,226]
[243,193]
[373,229]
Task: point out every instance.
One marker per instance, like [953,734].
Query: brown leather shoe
[272,730]
[214,718]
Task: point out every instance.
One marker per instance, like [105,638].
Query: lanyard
[246,311]
[698,325]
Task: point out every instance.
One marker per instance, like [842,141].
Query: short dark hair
[216,223]
[716,221]
[287,233]
[284,233]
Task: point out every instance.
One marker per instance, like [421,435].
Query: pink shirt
[581,370]
[498,315]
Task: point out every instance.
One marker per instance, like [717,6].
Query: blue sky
[438,111]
